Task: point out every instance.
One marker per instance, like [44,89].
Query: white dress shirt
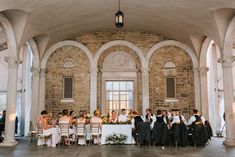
[193,119]
[176,119]
[122,118]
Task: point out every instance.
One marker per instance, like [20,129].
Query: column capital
[227,61]
[35,71]
[203,70]
[42,72]
[145,71]
[12,62]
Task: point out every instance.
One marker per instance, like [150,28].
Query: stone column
[93,90]
[228,101]
[145,89]
[197,88]
[204,92]
[42,83]
[9,139]
[35,95]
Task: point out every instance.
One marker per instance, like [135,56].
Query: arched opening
[215,88]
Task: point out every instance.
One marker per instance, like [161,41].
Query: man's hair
[123,109]
[44,112]
[195,111]
[65,112]
[159,112]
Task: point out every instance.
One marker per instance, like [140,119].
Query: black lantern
[119,18]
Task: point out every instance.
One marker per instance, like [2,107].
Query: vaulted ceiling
[188,21]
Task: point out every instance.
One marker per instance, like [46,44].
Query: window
[68,87]
[119,95]
[170,87]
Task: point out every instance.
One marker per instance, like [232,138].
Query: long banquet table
[109,129]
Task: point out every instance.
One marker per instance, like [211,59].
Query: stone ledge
[67,100]
[171,100]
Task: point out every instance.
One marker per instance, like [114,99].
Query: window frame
[71,89]
[166,95]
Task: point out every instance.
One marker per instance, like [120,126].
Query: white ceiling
[183,20]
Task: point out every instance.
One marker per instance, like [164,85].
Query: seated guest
[177,118]
[135,122]
[96,119]
[160,130]
[48,129]
[72,115]
[2,124]
[66,119]
[159,117]
[179,132]
[196,117]
[123,118]
[165,117]
[81,120]
[150,117]
[113,118]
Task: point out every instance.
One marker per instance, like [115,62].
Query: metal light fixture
[119,18]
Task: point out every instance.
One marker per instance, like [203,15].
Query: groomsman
[122,118]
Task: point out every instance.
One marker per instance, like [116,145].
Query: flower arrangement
[116,139]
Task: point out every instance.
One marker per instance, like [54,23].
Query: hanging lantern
[119,18]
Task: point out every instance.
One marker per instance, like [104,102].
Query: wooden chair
[64,131]
[41,135]
[95,131]
[32,132]
[80,132]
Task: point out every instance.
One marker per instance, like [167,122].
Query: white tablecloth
[117,129]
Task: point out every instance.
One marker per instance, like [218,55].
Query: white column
[35,95]
[203,108]
[93,90]
[228,101]
[9,139]
[145,89]
[197,89]
[42,83]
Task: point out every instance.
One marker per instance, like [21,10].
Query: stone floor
[23,149]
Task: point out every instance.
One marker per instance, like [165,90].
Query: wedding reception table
[110,129]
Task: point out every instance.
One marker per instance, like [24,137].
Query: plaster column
[9,139]
[93,90]
[42,83]
[35,95]
[204,95]
[197,89]
[228,101]
[145,89]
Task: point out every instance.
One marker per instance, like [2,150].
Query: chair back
[64,128]
[95,128]
[80,128]
[39,128]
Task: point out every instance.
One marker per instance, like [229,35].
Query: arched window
[170,80]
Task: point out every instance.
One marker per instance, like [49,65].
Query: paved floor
[23,149]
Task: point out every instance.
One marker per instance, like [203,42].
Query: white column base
[229,142]
[8,143]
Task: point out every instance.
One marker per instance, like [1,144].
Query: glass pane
[110,104]
[170,87]
[115,85]
[109,85]
[122,85]
[115,105]
[130,96]
[123,104]
[129,104]
[68,87]
[109,96]
[115,96]
[130,85]
[123,96]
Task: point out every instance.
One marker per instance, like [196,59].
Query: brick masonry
[143,40]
